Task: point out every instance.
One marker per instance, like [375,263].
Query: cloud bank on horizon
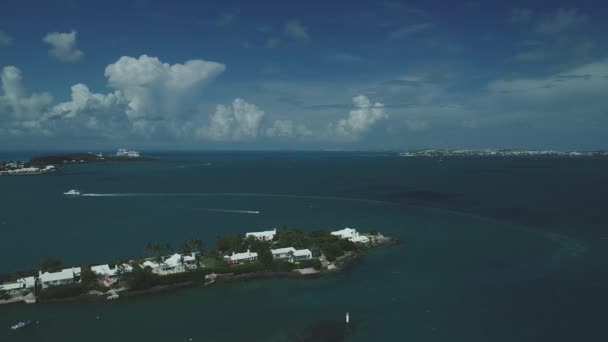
[388,75]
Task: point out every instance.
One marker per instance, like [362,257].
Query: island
[284,252]
[52,163]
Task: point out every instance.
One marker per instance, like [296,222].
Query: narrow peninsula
[273,253]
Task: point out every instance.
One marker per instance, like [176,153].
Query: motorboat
[20,325]
[72,192]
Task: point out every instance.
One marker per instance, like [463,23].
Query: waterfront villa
[265,235]
[291,254]
[65,276]
[176,263]
[302,254]
[105,270]
[108,274]
[351,235]
[238,258]
[20,285]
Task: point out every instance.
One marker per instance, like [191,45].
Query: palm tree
[185,248]
[168,248]
[291,259]
[183,262]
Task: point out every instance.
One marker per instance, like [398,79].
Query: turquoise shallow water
[493,249]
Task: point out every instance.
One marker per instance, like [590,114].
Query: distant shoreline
[53,162]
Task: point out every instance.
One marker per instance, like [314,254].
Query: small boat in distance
[72,192]
[20,325]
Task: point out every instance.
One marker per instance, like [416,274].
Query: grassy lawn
[210,262]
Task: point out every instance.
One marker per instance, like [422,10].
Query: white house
[20,285]
[104,270]
[12,288]
[285,253]
[122,152]
[265,235]
[360,238]
[65,276]
[351,235]
[238,258]
[302,254]
[172,264]
[291,254]
[175,263]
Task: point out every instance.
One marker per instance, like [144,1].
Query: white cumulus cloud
[361,119]
[20,111]
[63,46]
[148,97]
[238,121]
[155,91]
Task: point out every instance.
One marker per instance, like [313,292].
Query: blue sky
[303,75]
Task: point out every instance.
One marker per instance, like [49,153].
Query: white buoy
[347,318]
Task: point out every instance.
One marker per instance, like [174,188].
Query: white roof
[283,250]
[127,267]
[64,274]
[302,252]
[359,239]
[104,270]
[11,286]
[173,260]
[240,256]
[264,234]
[28,281]
[150,264]
[345,233]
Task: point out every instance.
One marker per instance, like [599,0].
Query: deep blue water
[495,249]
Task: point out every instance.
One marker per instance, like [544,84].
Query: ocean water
[493,249]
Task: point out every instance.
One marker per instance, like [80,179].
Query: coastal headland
[53,162]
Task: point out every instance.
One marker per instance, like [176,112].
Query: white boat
[72,193]
[20,325]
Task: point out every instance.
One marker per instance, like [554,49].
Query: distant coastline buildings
[502,153]
[18,169]
[122,152]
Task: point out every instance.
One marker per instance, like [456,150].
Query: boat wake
[231,211]
[146,194]
[236,194]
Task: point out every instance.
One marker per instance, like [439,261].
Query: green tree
[185,248]
[225,243]
[265,257]
[51,264]
[4,295]
[140,278]
[88,278]
[167,249]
